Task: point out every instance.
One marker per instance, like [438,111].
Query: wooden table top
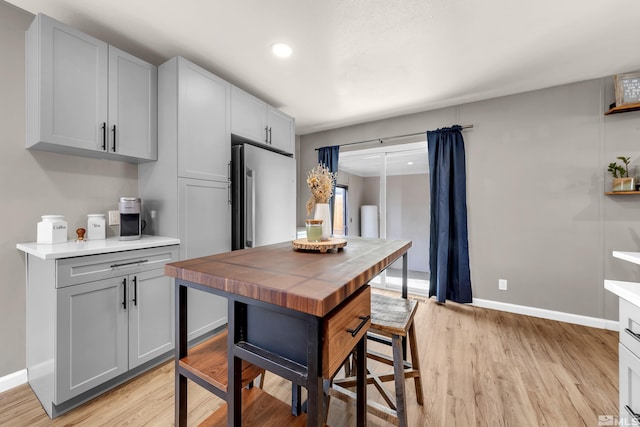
[310,282]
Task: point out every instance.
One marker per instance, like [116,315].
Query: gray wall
[36,183]
[536,174]
[371,191]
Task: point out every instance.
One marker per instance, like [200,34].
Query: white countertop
[629,291]
[93,247]
[633,257]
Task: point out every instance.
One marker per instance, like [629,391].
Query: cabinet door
[151,316]
[248,116]
[281,130]
[133,106]
[204,229]
[629,366]
[91,336]
[66,87]
[204,140]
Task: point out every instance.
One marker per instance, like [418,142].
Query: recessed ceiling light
[281,50]
[409,163]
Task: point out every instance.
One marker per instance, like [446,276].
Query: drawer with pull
[630,326]
[73,271]
[343,328]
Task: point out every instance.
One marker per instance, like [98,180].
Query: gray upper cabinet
[281,130]
[204,143]
[255,120]
[133,107]
[87,98]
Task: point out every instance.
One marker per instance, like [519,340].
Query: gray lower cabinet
[151,316]
[629,387]
[96,321]
[629,363]
[91,336]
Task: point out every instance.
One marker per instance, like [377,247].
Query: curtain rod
[381,140]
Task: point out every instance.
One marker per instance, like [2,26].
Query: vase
[324,213]
[623,184]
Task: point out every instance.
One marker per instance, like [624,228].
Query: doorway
[389,198]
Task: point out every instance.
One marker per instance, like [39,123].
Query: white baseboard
[577,319]
[13,380]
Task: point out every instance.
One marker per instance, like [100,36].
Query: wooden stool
[391,322]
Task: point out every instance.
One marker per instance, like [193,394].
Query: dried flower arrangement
[321,182]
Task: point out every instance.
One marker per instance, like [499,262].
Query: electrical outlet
[114,217]
[502,284]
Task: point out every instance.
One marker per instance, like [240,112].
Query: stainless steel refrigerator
[263,186]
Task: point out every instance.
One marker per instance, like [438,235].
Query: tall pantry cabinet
[186,192]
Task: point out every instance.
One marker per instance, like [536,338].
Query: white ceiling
[360,60]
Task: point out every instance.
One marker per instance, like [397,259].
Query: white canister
[52,229]
[96,229]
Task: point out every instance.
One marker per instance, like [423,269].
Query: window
[340,211]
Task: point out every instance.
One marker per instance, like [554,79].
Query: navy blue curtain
[328,156]
[450,277]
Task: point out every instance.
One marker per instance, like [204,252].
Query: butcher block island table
[297,314]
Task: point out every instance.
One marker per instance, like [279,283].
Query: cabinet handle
[104,136]
[266,134]
[229,183]
[355,331]
[140,261]
[635,416]
[124,297]
[114,138]
[633,334]
[270,141]
[135,290]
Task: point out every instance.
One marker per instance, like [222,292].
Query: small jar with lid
[314,230]
[52,229]
[96,227]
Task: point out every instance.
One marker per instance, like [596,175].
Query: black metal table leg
[405,284]
[361,382]
[296,399]
[234,387]
[181,351]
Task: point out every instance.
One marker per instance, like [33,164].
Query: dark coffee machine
[130,221]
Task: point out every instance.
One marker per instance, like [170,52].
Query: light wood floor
[480,367]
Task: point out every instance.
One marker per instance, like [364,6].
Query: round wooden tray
[322,247]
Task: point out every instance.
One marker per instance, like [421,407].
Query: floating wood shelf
[623,109]
[258,409]
[208,361]
[621,193]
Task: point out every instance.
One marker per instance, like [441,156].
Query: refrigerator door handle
[250,203]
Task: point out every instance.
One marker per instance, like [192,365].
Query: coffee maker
[130,218]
